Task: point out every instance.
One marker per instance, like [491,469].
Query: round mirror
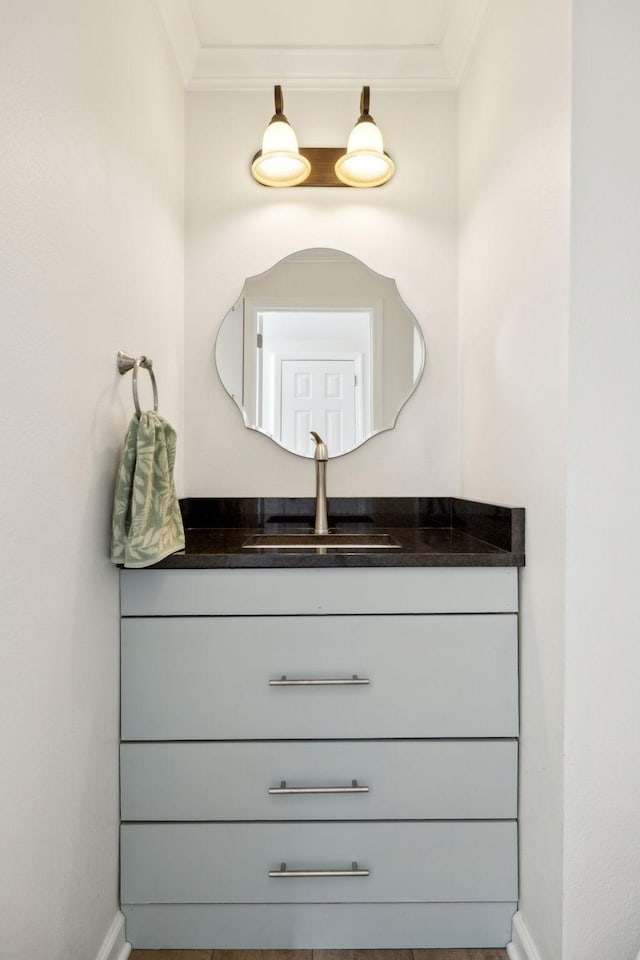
[320,342]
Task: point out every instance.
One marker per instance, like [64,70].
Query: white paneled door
[318,395]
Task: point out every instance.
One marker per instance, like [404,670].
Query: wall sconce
[281,163]
[365,164]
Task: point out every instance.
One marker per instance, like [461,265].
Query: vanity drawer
[320,926]
[219,678]
[231,863]
[414,780]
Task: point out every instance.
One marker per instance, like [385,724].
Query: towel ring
[126,363]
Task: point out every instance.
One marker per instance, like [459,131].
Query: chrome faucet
[321,456]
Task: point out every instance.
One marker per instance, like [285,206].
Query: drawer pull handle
[354,872]
[354,680]
[283,789]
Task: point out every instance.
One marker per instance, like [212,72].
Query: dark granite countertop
[432,531]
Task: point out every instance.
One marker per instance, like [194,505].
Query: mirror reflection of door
[313,372]
[318,395]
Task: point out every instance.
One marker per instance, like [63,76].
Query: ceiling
[250,45]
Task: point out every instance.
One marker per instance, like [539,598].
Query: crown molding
[388,67]
[241,84]
[461,34]
[178,22]
[410,67]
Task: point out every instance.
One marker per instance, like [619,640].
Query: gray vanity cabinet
[319,757]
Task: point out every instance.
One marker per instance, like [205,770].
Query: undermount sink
[331,541]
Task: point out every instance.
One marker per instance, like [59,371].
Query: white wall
[514,283]
[91,252]
[602,777]
[406,230]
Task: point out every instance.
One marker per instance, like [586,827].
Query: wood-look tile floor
[494,953]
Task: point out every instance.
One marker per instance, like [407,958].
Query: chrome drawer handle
[354,872]
[326,682]
[284,789]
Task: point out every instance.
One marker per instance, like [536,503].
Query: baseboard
[522,946]
[114,946]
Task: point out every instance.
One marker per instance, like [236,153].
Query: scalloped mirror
[320,342]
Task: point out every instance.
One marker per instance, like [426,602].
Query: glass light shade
[279,164]
[365,136]
[365,164]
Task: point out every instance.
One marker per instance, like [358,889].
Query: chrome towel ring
[126,363]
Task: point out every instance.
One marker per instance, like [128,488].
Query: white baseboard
[522,946]
[114,946]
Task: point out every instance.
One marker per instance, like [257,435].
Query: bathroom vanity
[319,746]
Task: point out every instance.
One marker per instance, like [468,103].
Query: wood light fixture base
[323,162]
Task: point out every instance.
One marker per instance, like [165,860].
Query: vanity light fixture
[281,164]
[365,164]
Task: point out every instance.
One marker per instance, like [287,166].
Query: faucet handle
[321,451]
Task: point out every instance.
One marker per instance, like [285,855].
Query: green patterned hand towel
[146,524]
